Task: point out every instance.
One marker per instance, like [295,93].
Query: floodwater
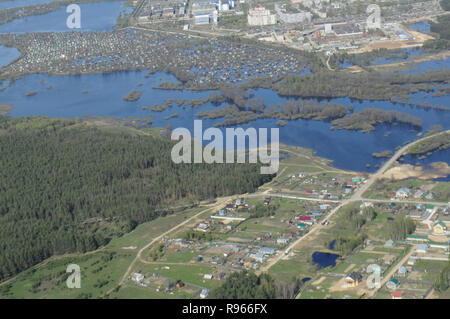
[7,55]
[348,149]
[98,16]
[20,3]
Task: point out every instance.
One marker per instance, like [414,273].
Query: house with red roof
[306,220]
[397,295]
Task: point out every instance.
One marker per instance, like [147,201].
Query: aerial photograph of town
[224,149]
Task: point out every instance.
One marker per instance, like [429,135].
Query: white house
[204,293]
[137,277]
[403,192]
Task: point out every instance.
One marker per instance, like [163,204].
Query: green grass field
[100,271]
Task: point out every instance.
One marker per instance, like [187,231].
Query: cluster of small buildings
[406,192]
[205,12]
[332,188]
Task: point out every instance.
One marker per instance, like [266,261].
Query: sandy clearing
[436,170]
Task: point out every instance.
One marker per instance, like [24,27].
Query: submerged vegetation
[133,96]
[367,119]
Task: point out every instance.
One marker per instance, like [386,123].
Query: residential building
[439,228]
[207,276]
[257,257]
[282,241]
[204,293]
[392,284]
[301,225]
[260,16]
[137,277]
[389,243]
[267,250]
[403,192]
[422,248]
[402,271]
[353,279]
[397,295]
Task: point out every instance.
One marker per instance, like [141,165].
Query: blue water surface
[97,16]
[20,3]
[348,149]
[7,55]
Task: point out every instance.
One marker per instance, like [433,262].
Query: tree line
[247,285]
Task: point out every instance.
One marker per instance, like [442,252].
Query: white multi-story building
[261,16]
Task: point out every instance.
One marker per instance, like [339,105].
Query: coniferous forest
[67,186]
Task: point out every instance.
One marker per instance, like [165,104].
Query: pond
[306,279]
[332,244]
[324,259]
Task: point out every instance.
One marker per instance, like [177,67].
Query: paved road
[283,195]
[358,194]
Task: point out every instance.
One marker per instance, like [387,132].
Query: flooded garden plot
[132,49]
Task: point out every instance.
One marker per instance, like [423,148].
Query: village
[235,239]
[314,223]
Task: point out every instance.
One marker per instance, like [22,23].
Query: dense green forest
[245,285]
[442,27]
[70,187]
